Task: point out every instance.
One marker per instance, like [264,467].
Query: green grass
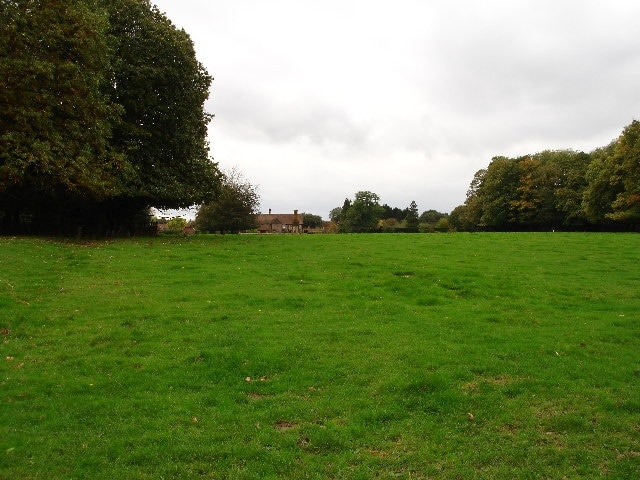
[337,356]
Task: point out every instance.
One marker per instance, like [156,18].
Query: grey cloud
[258,115]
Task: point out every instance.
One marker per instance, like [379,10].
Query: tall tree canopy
[613,192]
[162,89]
[56,117]
[101,115]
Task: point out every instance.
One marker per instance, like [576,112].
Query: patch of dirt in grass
[284,426]
[510,429]
[625,455]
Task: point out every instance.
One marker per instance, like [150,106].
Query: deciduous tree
[626,168]
[604,184]
[55,117]
[101,115]
[363,214]
[162,88]
[335,215]
[234,207]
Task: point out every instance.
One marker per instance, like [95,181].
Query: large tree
[101,115]
[162,88]
[55,117]
[496,192]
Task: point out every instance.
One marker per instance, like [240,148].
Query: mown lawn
[339,356]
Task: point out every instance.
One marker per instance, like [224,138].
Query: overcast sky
[315,100]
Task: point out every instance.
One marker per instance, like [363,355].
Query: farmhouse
[280,222]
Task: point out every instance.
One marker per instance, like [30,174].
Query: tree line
[558,190]
[364,214]
[101,117]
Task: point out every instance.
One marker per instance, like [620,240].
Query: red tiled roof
[275,218]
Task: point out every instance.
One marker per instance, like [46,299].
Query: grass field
[447,356]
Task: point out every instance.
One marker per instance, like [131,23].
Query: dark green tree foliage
[613,193]
[346,206]
[533,192]
[339,214]
[162,89]
[534,203]
[55,119]
[497,194]
[467,217]
[431,220]
[363,214]
[233,209]
[335,215]
[431,216]
[101,116]
[603,185]
[570,186]
[626,206]
[550,190]
[412,220]
[393,212]
[462,219]
[311,220]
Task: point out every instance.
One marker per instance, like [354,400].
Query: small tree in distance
[310,220]
[363,214]
[411,220]
[234,209]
